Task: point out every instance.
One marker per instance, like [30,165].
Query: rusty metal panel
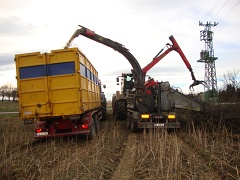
[172,99]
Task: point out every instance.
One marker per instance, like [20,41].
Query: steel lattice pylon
[207,56]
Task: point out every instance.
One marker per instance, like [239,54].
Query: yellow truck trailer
[61,91]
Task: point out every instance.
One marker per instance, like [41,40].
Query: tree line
[8,93]
[230,94]
[231,89]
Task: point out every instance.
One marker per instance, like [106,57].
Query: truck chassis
[86,124]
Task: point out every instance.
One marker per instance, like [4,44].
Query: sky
[142,26]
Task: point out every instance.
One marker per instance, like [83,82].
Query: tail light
[38,130]
[85,126]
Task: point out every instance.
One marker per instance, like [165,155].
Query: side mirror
[117,79]
[104,86]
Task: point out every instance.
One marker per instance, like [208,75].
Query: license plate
[158,117]
[42,134]
[157,125]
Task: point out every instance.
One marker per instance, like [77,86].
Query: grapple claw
[197,82]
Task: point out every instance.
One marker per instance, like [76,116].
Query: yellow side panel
[34,104]
[64,95]
[84,93]
[63,55]
[90,97]
[30,59]
[31,85]
[32,89]
[52,84]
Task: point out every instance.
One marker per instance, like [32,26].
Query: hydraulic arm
[142,97]
[137,71]
[174,46]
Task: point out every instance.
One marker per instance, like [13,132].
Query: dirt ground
[193,152]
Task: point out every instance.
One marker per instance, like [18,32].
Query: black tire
[104,110]
[96,123]
[121,110]
[91,135]
[114,105]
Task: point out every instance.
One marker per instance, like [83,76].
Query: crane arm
[174,46]
[177,48]
[137,71]
[155,60]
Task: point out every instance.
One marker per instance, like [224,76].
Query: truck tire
[121,110]
[104,110]
[113,105]
[91,135]
[96,119]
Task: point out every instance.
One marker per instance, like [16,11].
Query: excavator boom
[140,97]
[155,61]
[137,71]
[174,46]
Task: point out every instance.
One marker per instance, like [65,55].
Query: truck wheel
[121,110]
[96,123]
[91,135]
[113,105]
[104,110]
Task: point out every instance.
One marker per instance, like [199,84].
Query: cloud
[6,62]
[142,25]
[14,26]
[116,73]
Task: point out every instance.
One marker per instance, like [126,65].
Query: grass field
[206,147]
[7,106]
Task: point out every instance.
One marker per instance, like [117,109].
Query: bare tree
[14,93]
[4,89]
[231,78]
[7,91]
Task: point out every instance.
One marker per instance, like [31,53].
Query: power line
[229,11]
[211,10]
[220,9]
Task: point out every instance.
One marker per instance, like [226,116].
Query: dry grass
[200,150]
[7,106]
[22,157]
[217,139]
[206,148]
[157,155]
[196,154]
